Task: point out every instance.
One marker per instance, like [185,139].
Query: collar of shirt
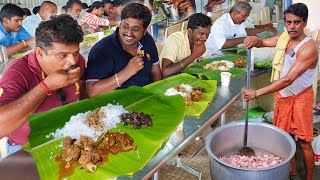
[230,19]
[38,15]
[5,31]
[34,64]
[185,33]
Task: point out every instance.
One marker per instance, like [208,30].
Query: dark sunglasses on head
[61,96]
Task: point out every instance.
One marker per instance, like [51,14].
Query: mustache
[71,67]
[292,30]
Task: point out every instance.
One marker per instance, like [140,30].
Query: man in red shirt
[48,77]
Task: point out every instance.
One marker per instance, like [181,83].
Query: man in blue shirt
[127,57]
[47,10]
[12,35]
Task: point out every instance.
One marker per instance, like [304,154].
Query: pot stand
[177,161]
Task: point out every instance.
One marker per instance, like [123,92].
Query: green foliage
[197,68]
[167,111]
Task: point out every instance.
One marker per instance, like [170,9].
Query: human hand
[135,65]
[30,41]
[198,48]
[61,78]
[248,94]
[251,41]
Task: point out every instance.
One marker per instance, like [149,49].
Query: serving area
[22,161]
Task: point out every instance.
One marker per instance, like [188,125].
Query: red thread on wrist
[45,88]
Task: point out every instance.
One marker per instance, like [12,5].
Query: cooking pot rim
[221,128]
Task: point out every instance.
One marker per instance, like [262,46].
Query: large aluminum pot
[262,137]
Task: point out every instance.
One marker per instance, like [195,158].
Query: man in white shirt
[229,30]
[47,9]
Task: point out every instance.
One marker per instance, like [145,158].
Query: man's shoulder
[147,38]
[19,68]
[104,48]
[30,18]
[179,35]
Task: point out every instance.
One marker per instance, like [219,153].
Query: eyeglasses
[61,96]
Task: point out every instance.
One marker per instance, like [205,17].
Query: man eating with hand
[47,78]
[185,47]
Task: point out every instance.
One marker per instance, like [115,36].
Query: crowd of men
[54,73]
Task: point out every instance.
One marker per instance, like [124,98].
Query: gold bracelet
[24,43]
[254,93]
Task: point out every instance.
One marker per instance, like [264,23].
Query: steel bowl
[262,137]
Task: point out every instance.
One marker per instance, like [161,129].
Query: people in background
[117,7]
[292,76]
[185,7]
[94,17]
[27,12]
[47,10]
[12,35]
[108,10]
[228,30]
[47,78]
[214,5]
[35,10]
[74,8]
[64,10]
[183,48]
[85,6]
[127,57]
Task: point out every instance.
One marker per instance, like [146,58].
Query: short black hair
[95,5]
[199,20]
[26,11]
[36,9]
[84,6]
[107,2]
[64,8]
[298,9]
[71,2]
[117,3]
[137,11]
[62,29]
[10,10]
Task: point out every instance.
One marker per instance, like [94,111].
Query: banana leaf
[197,108]
[197,69]
[168,112]
[236,50]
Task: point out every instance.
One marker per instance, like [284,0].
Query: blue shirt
[11,38]
[107,58]
[31,23]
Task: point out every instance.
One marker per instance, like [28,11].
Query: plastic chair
[184,25]
[172,29]
[265,16]
[216,15]
[277,13]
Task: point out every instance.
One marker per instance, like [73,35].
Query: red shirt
[22,76]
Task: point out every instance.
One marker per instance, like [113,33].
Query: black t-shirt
[107,58]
